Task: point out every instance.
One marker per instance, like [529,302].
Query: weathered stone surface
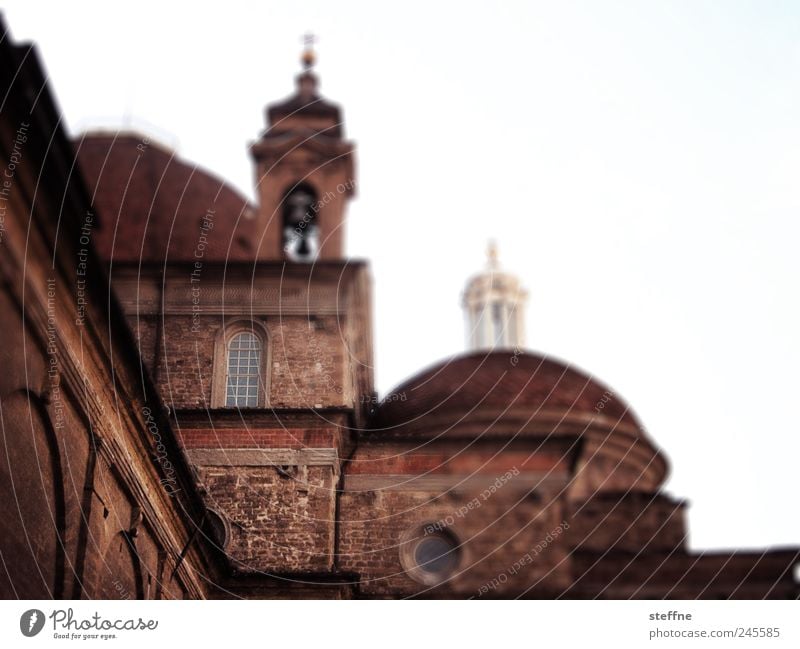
[124,472]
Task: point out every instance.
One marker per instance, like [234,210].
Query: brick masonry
[116,469]
[279,522]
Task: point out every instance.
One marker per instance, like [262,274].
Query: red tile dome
[151,204]
[501,384]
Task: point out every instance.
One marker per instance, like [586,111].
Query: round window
[216,527]
[430,557]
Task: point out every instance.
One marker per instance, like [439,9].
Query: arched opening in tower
[300,226]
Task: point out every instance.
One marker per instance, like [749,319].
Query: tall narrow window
[498,324]
[243,371]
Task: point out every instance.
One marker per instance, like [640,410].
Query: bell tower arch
[305,175]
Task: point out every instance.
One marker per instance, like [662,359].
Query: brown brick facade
[125,473]
[281,521]
[97,500]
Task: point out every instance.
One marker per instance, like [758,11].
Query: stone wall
[280,518]
[496,538]
[497,500]
[97,500]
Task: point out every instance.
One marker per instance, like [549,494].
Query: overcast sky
[637,163]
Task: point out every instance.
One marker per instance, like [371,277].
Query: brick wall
[77,467]
[629,523]
[305,364]
[292,438]
[279,523]
[319,356]
[502,531]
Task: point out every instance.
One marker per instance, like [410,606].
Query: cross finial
[491,254]
[308,57]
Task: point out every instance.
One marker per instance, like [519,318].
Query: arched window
[243,371]
[300,228]
[241,360]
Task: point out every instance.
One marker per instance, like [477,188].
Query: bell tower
[289,345]
[305,175]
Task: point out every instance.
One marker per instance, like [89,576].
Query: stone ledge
[263,457]
[525,481]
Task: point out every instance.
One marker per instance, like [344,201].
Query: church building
[189,410]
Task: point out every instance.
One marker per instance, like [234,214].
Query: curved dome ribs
[162,208]
[534,397]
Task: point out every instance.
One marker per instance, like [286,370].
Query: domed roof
[501,384]
[151,205]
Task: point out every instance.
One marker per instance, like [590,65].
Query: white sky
[636,162]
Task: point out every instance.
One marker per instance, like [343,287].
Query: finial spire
[308,57]
[307,80]
[494,304]
[491,255]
